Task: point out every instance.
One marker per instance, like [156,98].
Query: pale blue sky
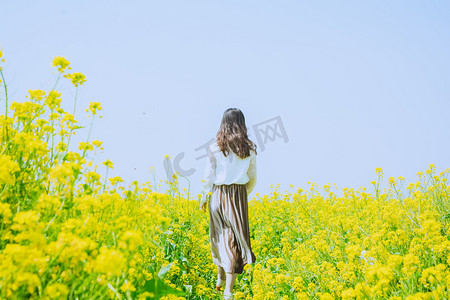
[357,84]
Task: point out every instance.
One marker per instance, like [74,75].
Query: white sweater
[228,170]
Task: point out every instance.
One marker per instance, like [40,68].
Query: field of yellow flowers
[69,232]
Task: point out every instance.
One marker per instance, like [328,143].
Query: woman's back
[231,169]
[232,156]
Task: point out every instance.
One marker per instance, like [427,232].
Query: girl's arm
[251,173]
[209,175]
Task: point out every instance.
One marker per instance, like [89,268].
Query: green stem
[51,159]
[56,214]
[75,101]
[74,106]
[6,104]
[90,128]
[4,189]
[106,178]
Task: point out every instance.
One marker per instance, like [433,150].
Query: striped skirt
[229,228]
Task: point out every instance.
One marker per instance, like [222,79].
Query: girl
[230,176]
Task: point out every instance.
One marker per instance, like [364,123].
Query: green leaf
[188,288]
[159,288]
[164,270]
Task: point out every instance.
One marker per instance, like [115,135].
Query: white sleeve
[251,173]
[209,176]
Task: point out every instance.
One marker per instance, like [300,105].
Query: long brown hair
[232,134]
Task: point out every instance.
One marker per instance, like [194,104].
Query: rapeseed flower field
[68,231]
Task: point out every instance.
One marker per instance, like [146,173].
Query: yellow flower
[53,100]
[61,146]
[410,264]
[145,295]
[3,60]
[30,280]
[353,251]
[61,63]
[362,290]
[394,261]
[61,173]
[115,180]
[94,107]
[97,143]
[131,239]
[392,181]
[36,94]
[25,220]
[76,78]
[5,213]
[56,291]
[326,296]
[92,176]
[127,286]
[433,275]
[109,262]
[7,167]
[108,164]
[348,294]
[85,146]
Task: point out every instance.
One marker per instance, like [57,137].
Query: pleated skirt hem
[229,228]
